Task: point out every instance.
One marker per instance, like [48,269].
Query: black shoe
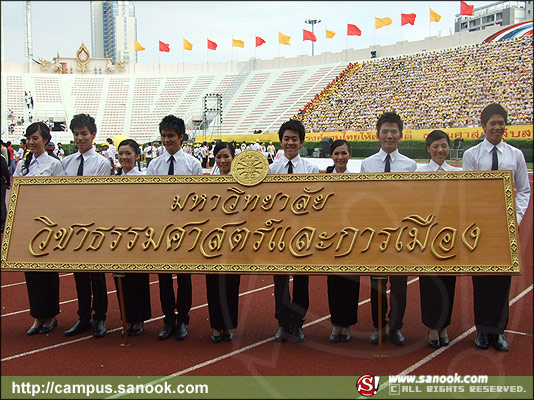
[181,332]
[79,327]
[168,329]
[481,340]
[435,344]
[396,337]
[282,335]
[99,329]
[344,338]
[499,342]
[298,334]
[136,332]
[334,338]
[46,329]
[33,331]
[373,339]
[444,341]
[216,338]
[228,336]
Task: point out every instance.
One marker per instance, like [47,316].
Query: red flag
[466,9]
[164,47]
[259,41]
[353,30]
[407,19]
[212,45]
[307,35]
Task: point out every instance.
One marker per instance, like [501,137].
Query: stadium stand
[445,87]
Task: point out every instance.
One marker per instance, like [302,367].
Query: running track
[253,351]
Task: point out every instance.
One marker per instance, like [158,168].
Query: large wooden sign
[372,224]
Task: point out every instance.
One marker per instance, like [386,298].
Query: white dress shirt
[44,165]
[398,162]
[479,158]
[432,166]
[184,164]
[93,164]
[300,166]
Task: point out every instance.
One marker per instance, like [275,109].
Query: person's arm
[522,188]
[469,162]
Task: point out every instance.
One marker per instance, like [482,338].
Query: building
[502,13]
[113,30]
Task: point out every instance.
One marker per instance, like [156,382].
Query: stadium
[439,82]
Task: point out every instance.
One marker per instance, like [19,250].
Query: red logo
[367,385]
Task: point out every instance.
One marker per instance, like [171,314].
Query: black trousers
[397,301]
[87,284]
[43,293]
[343,296]
[181,302]
[491,303]
[136,289]
[222,291]
[437,299]
[3,208]
[289,312]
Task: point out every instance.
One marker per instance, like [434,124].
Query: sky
[61,26]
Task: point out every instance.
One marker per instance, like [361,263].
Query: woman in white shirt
[437,292]
[343,290]
[222,290]
[43,287]
[136,286]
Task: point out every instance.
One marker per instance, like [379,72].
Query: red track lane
[253,351]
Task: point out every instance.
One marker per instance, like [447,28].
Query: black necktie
[387,168]
[80,167]
[495,160]
[171,166]
[289,167]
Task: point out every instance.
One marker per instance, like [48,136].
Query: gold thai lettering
[48,222]
[249,198]
[322,237]
[98,239]
[371,236]
[177,204]
[301,241]
[272,241]
[214,240]
[234,198]
[445,244]
[118,232]
[218,197]
[474,234]
[238,236]
[135,232]
[268,201]
[261,232]
[177,234]
[150,235]
[344,233]
[198,200]
[386,231]
[414,232]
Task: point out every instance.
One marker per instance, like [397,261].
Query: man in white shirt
[174,162]
[149,151]
[87,162]
[388,159]
[290,313]
[491,301]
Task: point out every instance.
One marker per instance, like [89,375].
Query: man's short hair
[292,125]
[392,117]
[491,110]
[83,120]
[173,123]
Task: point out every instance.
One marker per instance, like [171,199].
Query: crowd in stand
[439,89]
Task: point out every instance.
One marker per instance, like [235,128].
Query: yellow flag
[330,34]
[237,43]
[137,46]
[187,45]
[380,22]
[434,16]
[284,39]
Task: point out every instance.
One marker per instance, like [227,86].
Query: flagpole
[429,25]
[183,59]
[232,56]
[401,30]
[347,44]
[207,61]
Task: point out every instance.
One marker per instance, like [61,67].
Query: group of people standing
[491,302]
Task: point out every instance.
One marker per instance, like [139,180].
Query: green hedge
[417,148]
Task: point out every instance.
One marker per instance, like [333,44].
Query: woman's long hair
[336,144]
[44,131]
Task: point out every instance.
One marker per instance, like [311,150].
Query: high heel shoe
[47,329]
[33,330]
[434,343]
[335,336]
[228,335]
[344,336]
[443,338]
[216,338]
[136,331]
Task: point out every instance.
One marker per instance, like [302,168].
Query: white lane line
[24,282]
[437,352]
